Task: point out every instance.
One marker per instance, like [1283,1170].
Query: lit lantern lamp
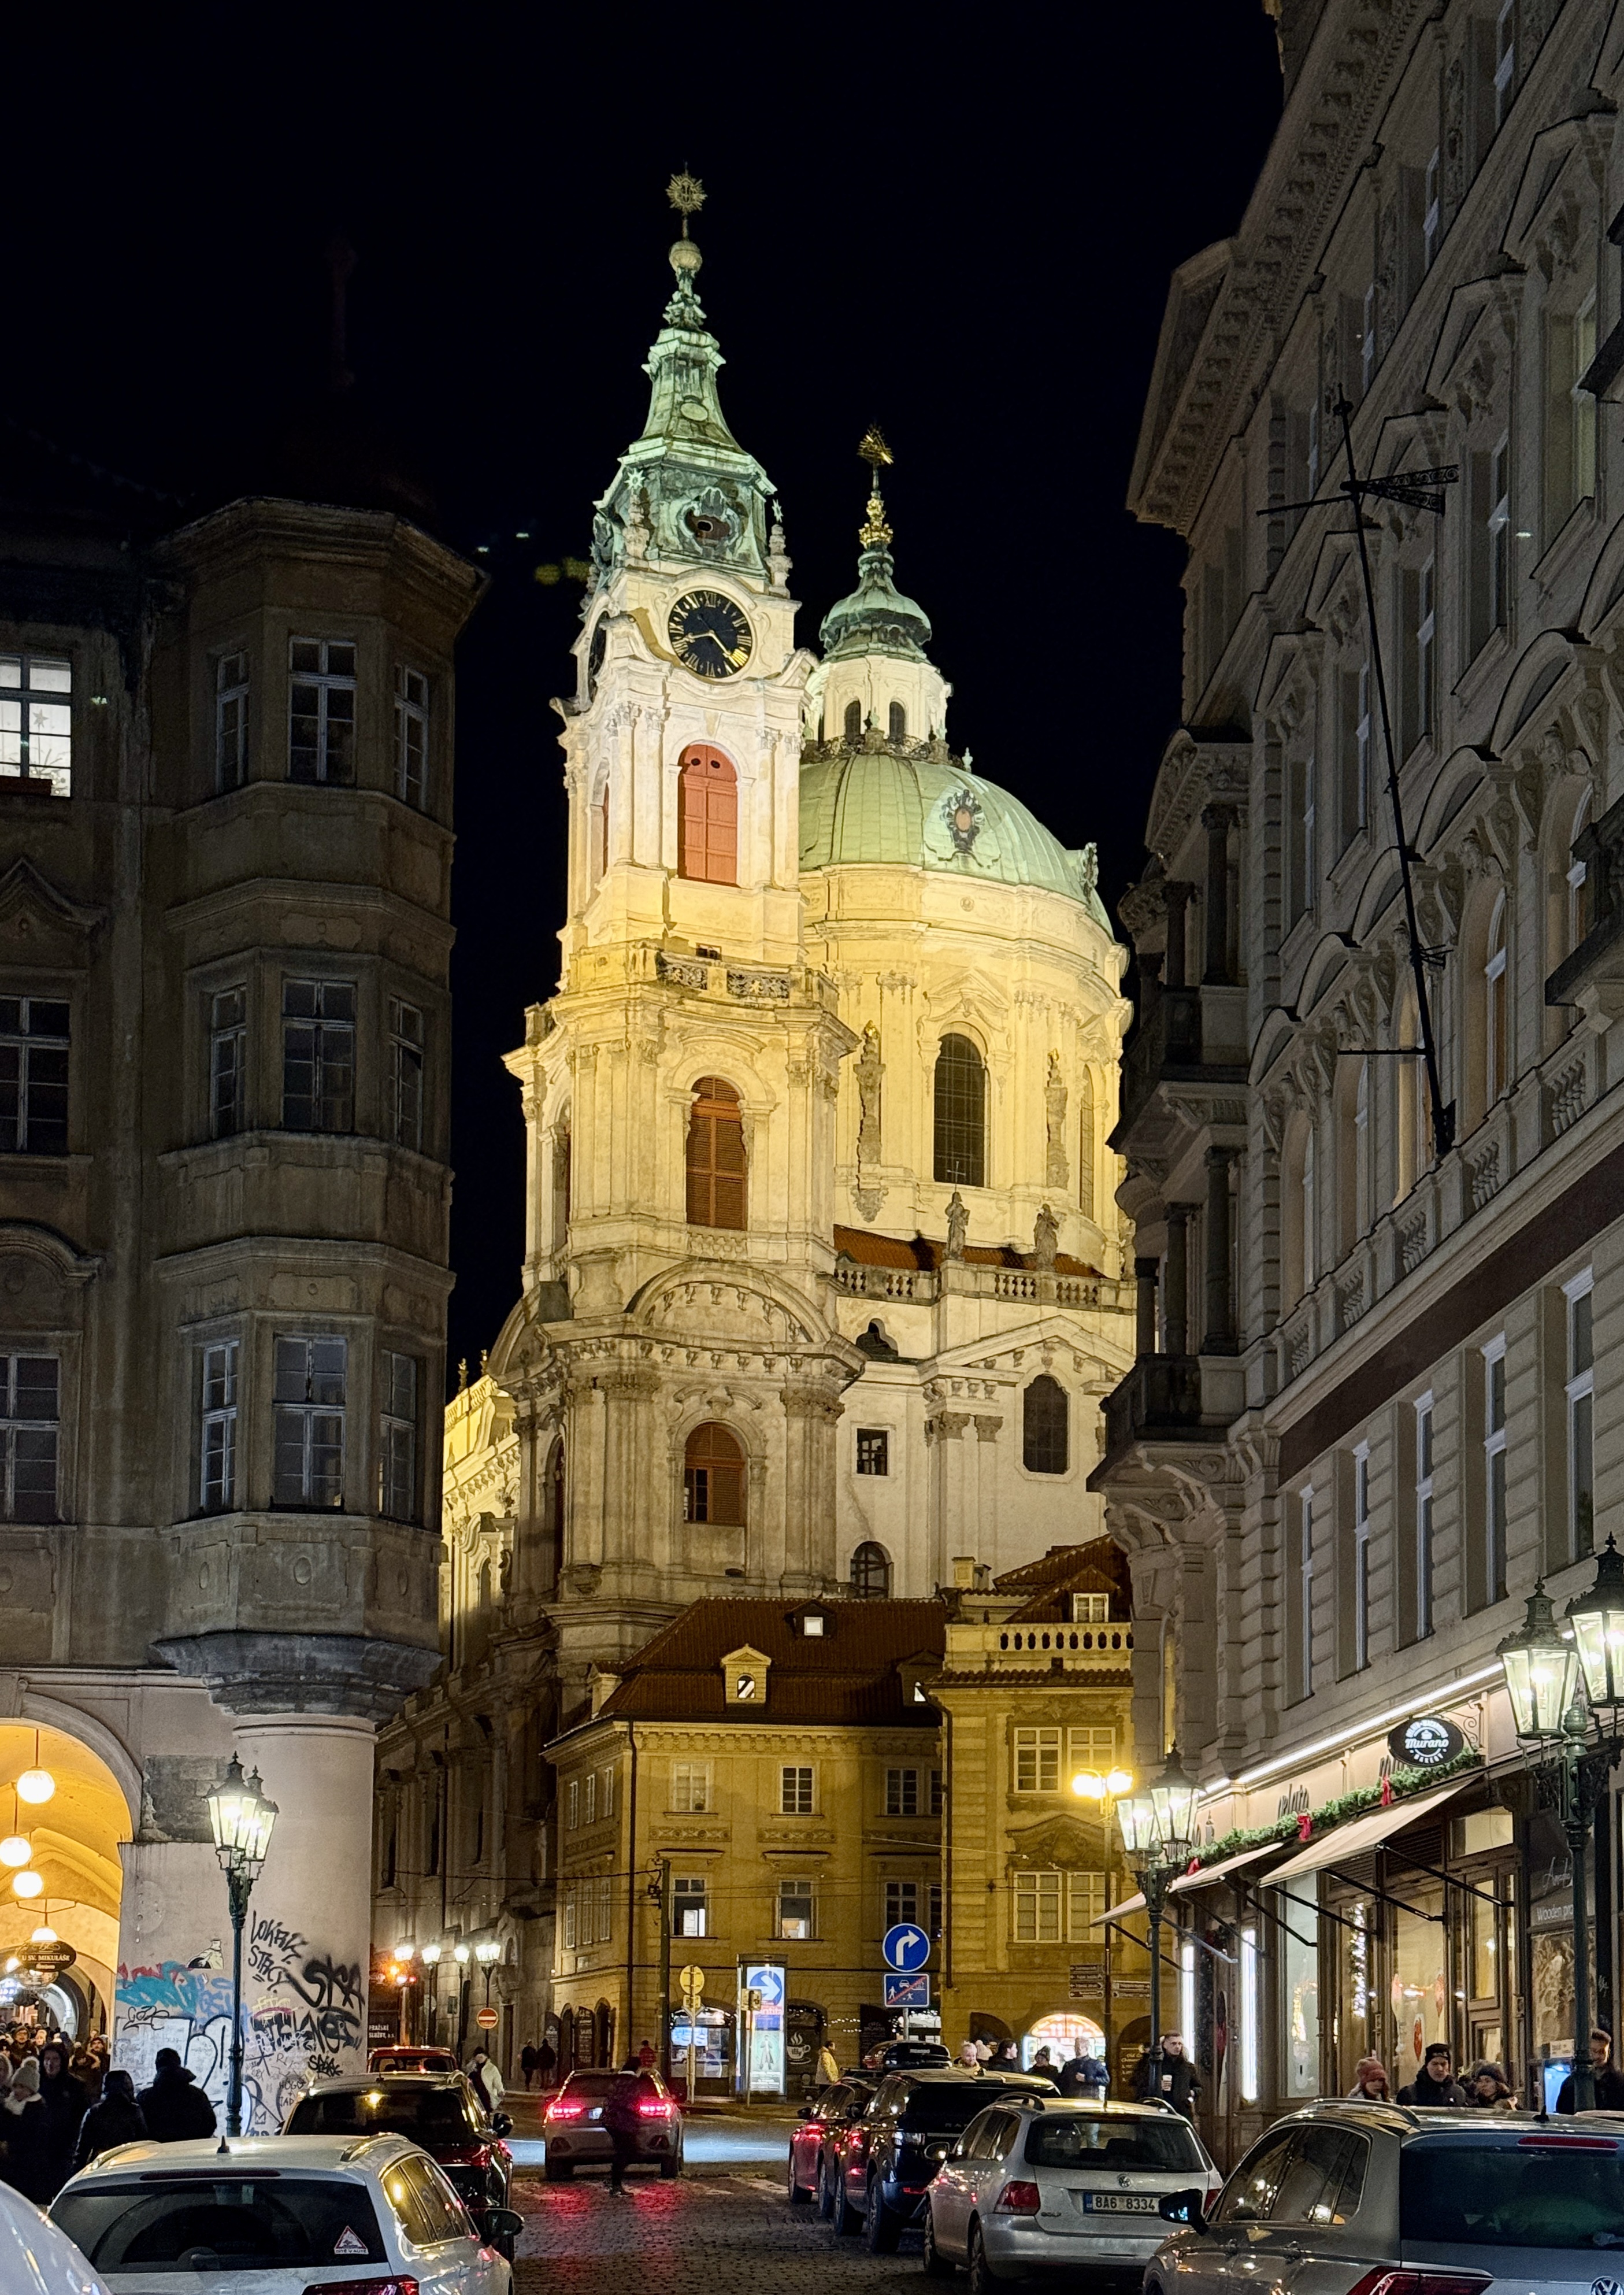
[15,1849]
[240,1819]
[28,1883]
[1597,1620]
[1541,1671]
[35,1786]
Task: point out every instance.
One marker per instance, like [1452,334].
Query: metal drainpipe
[631,1883]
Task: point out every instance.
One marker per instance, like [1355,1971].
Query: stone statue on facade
[869,1068]
[1054,1117]
[1045,1237]
[957,1226]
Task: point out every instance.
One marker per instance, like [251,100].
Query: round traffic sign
[487,2020]
[907,1947]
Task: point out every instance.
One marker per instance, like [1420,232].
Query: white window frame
[798,1789]
[1090,1609]
[411,736]
[401,1384]
[1431,214]
[1364,1162]
[317,1486]
[332,747]
[589,1798]
[407,1032]
[901,1901]
[691,1897]
[228,1039]
[26,1428]
[690,1789]
[1361,1557]
[1423,1515]
[1579,1399]
[22,1042]
[1494,1525]
[37,719]
[799,1889]
[328,1053]
[605,1887]
[1036,1752]
[572,1806]
[1496,1008]
[217,1409]
[231,720]
[901,1786]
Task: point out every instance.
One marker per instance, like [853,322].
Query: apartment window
[690,1911]
[217,1448]
[1366,341]
[1090,1609]
[228,1045]
[717,1161]
[873,1450]
[1494,1470]
[570,1921]
[588,1814]
[1488,569]
[1432,216]
[796,1792]
[1570,414]
[690,1788]
[37,719]
[1090,1749]
[321,712]
[1044,1426]
[572,1804]
[30,1415]
[1581,1409]
[901,1903]
[796,1910]
[712,1476]
[1578,871]
[318,1033]
[1496,1075]
[309,1416]
[411,736]
[1053,1907]
[1424,1515]
[1353,745]
[1361,1557]
[406,1073]
[707,818]
[231,721]
[1505,59]
[960,1114]
[1301,861]
[902,1793]
[937,1789]
[1303,1595]
[1420,653]
[33,1076]
[397,1438]
[606,1799]
[604,1888]
[870,1572]
[1037,1760]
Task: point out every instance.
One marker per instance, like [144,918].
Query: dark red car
[820,2120]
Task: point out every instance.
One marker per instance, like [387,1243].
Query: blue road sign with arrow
[907,1947]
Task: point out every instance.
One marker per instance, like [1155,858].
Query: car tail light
[653,2108]
[399,2285]
[1566,2144]
[1422,2282]
[561,2109]
[1018,2200]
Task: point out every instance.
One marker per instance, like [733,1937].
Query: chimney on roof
[603,1688]
[972,1576]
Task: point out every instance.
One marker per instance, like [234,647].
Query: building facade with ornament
[1373,1151]
[822,1283]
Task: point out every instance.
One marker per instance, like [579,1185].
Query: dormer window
[812,1624]
[744,1675]
[1090,1609]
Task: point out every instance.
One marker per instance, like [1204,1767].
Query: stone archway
[62,1888]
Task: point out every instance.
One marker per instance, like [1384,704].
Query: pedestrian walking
[828,2066]
[117,2119]
[487,2079]
[527,2061]
[1006,2057]
[1487,2089]
[620,2117]
[1170,2075]
[27,2135]
[174,2107]
[546,2062]
[1605,2074]
[969,2056]
[1370,2082]
[64,2101]
[1435,2083]
[646,2056]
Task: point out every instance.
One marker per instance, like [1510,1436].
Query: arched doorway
[1064,2034]
[62,1817]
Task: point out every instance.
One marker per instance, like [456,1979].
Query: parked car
[1077,2186]
[293,2211]
[36,2258]
[834,2108]
[910,2055]
[1345,2195]
[441,2113]
[910,2124]
[576,2136]
[413,2060]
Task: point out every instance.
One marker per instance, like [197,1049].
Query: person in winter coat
[1005,2057]
[621,2118]
[828,2066]
[1174,2077]
[28,2147]
[1435,2084]
[487,2079]
[1608,2079]
[64,2100]
[1370,2082]
[1085,2075]
[1486,2089]
[174,2107]
[527,2061]
[117,2119]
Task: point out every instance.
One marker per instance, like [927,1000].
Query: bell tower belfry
[675,1364]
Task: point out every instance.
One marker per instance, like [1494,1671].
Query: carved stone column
[1178,898]
[1175,1297]
[1219,1337]
[1145,1274]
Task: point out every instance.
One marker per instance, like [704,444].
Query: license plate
[1119,2203]
[596,2112]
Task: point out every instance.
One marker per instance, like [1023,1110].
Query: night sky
[964,237]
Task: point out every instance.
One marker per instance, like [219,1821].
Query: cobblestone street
[723,2229]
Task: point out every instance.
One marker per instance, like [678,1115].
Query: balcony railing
[1169,1036]
[1104,1649]
[1599,958]
[1161,1396]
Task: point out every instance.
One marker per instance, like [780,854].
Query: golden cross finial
[874,533]
[686,193]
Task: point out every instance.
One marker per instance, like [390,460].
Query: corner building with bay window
[822,1278]
[1377,1393]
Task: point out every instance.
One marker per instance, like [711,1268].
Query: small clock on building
[709,634]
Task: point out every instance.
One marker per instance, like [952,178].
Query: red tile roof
[1099,1567]
[846,1674]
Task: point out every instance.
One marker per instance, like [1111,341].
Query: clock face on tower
[709,634]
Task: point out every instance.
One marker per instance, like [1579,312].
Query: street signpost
[692,1980]
[907,1991]
[907,1947]
[487,2019]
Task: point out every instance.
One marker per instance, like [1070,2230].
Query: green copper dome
[876,803]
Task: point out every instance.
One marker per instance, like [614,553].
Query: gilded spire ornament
[686,193]
[874,533]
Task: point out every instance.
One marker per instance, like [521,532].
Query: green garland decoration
[1405,1782]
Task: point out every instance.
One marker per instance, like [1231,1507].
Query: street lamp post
[1544,1669]
[1158,1830]
[240,1819]
[1105,1792]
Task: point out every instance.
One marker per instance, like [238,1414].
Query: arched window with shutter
[1044,1447]
[960,1114]
[853,721]
[713,1477]
[716,1175]
[898,723]
[871,1572]
[708,817]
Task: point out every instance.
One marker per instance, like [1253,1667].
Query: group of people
[61,2107]
[1485,2088]
[538,2064]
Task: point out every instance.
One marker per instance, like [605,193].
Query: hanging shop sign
[1427,1741]
[51,1959]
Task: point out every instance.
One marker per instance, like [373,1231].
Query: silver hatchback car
[1075,2187]
[1373,2199]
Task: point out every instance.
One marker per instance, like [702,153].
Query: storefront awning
[1364,1832]
[1186,1881]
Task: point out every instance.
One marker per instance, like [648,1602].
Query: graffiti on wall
[302,2018]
